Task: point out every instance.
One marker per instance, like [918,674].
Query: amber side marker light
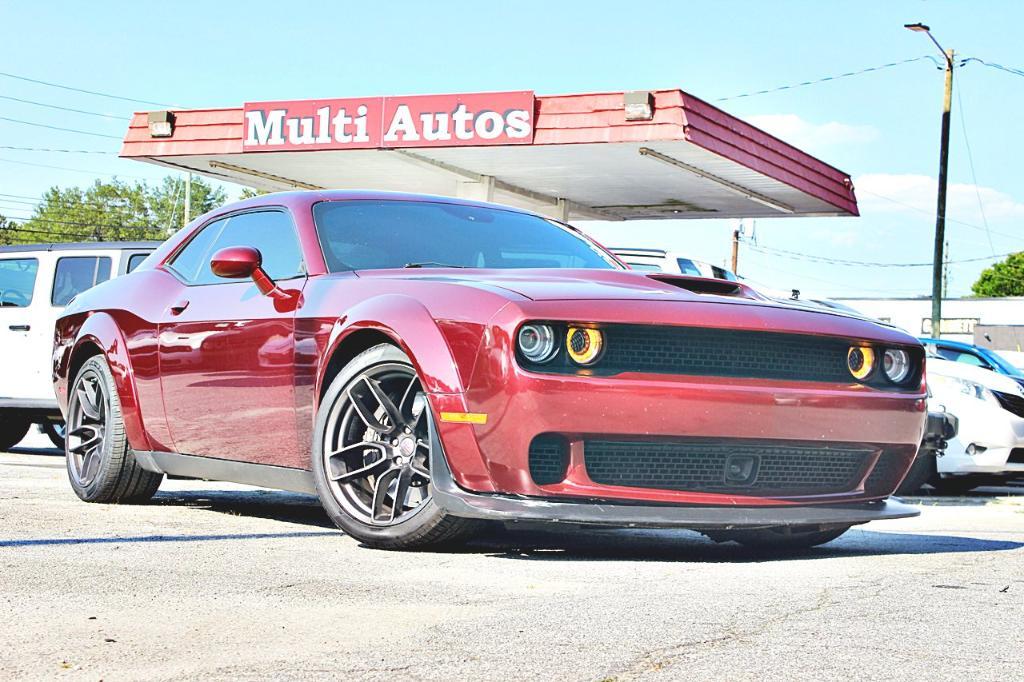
[464,417]
[861,361]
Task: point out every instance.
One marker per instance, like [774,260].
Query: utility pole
[188,199]
[735,249]
[940,207]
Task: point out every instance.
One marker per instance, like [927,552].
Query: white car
[989,446]
[659,260]
[36,282]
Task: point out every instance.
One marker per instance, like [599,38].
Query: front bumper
[515,508]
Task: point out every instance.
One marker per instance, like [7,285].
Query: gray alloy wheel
[101,466]
[371,455]
[779,538]
[12,431]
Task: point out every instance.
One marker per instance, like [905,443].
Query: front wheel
[779,537]
[371,456]
[101,466]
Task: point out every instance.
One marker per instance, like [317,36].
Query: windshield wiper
[432,264]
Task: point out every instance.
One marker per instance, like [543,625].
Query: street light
[940,210]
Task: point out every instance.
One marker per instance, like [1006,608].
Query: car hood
[988,378]
[584,285]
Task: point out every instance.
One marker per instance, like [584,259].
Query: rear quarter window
[75,274]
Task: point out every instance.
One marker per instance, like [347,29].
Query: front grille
[549,459]
[723,466]
[727,353]
[1011,403]
[885,475]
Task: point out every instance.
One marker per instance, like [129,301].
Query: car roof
[80,246]
[960,345]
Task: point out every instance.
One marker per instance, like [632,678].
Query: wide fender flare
[102,331]
[409,324]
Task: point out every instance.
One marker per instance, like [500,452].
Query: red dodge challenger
[425,364]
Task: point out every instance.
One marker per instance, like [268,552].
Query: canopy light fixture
[639,105]
[161,123]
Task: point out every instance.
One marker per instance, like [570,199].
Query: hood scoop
[703,285]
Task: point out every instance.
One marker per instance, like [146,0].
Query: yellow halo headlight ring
[861,361]
[584,345]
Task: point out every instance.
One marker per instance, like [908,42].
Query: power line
[89,92]
[66,130]
[54,106]
[993,65]
[74,170]
[825,79]
[797,255]
[74,223]
[970,162]
[62,151]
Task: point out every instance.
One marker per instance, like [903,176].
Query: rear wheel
[779,537]
[371,456]
[57,433]
[12,431]
[101,466]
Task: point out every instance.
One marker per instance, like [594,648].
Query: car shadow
[577,543]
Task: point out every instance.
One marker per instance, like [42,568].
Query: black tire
[55,432]
[953,485]
[921,471]
[780,538]
[12,431]
[106,471]
[426,524]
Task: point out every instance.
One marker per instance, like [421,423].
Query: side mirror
[240,262]
[236,262]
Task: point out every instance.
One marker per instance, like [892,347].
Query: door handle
[19,327]
[179,307]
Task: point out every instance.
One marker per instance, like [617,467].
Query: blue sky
[880,127]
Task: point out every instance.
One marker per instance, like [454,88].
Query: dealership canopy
[612,156]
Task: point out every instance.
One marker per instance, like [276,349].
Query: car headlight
[861,361]
[896,365]
[584,345]
[968,388]
[537,342]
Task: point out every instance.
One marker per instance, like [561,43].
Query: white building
[963,319]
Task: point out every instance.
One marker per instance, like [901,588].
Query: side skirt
[211,469]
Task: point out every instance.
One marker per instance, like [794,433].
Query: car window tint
[17,281]
[192,260]
[373,235]
[961,357]
[644,267]
[135,260]
[271,232]
[687,267]
[75,274]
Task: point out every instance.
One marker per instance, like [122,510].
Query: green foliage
[1005,278]
[112,211]
[249,193]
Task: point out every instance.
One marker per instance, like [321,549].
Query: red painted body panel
[234,376]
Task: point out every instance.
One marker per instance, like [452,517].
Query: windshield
[372,235]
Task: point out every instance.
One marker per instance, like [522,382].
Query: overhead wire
[88,92]
[66,130]
[970,163]
[55,106]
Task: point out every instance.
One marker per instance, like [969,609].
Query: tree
[114,211]
[1005,278]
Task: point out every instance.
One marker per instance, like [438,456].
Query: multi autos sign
[379,122]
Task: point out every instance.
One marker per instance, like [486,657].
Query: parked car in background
[659,260]
[423,363]
[1014,357]
[989,445]
[969,354]
[36,282]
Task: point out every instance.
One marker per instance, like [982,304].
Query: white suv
[659,260]
[36,282]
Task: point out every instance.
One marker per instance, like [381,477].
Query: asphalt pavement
[219,581]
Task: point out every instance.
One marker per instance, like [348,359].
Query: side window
[17,281]
[75,274]
[687,267]
[192,260]
[271,232]
[135,260]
